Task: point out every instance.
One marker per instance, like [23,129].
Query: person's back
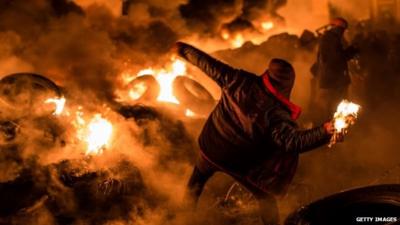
[251,134]
[236,127]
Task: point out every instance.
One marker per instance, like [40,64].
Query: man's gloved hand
[330,129]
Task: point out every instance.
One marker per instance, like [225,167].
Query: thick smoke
[84,46]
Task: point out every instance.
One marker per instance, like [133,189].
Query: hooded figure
[251,134]
[332,70]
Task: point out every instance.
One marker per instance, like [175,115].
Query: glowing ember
[345,115]
[238,41]
[96,134]
[137,91]
[127,77]
[225,35]
[190,113]
[99,134]
[59,103]
[178,67]
[148,71]
[267,25]
[165,77]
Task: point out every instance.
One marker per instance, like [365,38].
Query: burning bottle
[345,115]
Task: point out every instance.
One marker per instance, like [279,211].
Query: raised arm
[289,138]
[215,69]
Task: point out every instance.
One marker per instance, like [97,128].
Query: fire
[345,115]
[189,113]
[59,104]
[99,134]
[238,41]
[268,25]
[165,77]
[149,71]
[225,35]
[137,91]
[96,134]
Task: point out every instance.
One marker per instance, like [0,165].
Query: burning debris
[97,134]
[48,172]
[59,104]
[170,84]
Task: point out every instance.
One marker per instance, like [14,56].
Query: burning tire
[382,201]
[100,195]
[193,95]
[144,88]
[22,93]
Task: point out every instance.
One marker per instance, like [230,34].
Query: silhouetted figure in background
[251,134]
[331,68]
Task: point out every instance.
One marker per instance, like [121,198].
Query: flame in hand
[345,115]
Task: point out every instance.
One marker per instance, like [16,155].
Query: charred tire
[150,85]
[23,91]
[193,95]
[345,207]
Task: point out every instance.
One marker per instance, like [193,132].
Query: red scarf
[294,109]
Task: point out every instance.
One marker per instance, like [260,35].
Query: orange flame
[99,134]
[96,134]
[345,115]
[165,78]
[267,25]
[59,104]
[238,41]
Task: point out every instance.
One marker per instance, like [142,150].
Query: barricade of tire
[350,207]
[189,93]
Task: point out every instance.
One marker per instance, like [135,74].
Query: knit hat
[282,75]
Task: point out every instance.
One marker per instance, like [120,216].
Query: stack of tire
[190,93]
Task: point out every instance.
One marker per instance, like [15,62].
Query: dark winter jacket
[332,61]
[249,126]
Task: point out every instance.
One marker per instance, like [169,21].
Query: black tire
[25,92]
[152,88]
[193,95]
[344,208]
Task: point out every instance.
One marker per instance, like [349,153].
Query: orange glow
[137,91]
[238,41]
[268,25]
[164,76]
[189,113]
[96,133]
[345,115]
[59,104]
[345,111]
[148,71]
[99,134]
[225,35]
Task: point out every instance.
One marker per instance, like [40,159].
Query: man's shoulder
[330,34]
